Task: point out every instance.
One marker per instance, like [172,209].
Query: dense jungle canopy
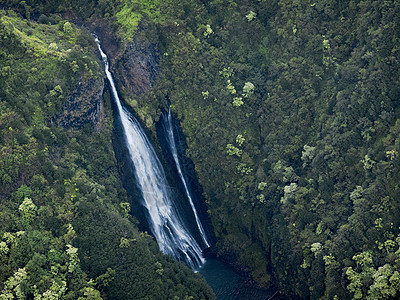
[291,114]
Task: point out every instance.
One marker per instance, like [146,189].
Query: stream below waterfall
[176,236]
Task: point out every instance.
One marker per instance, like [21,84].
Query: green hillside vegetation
[291,115]
[65,228]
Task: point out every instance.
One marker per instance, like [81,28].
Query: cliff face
[134,64]
[62,205]
[109,40]
[137,68]
[84,105]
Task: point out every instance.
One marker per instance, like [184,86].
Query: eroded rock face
[84,105]
[138,66]
[135,69]
[109,40]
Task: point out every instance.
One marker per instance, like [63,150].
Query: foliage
[320,117]
[128,19]
[63,210]
[320,120]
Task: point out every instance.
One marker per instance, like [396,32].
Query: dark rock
[138,66]
[84,105]
[108,38]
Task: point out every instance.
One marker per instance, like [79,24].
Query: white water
[172,145]
[165,224]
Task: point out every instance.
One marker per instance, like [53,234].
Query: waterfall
[167,122]
[165,224]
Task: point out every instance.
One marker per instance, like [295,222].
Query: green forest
[291,113]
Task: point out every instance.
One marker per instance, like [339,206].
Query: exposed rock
[138,66]
[84,105]
[108,38]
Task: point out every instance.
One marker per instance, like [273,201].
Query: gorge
[285,119]
[163,215]
[163,218]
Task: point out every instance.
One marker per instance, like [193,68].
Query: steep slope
[291,115]
[65,227]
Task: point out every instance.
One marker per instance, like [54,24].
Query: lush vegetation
[291,114]
[292,118]
[65,227]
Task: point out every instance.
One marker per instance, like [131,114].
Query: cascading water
[165,224]
[167,227]
[167,123]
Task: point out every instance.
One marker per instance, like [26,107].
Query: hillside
[65,227]
[291,115]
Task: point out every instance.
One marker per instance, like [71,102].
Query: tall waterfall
[165,224]
[167,122]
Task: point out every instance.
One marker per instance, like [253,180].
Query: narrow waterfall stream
[166,225]
[171,141]
[170,232]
